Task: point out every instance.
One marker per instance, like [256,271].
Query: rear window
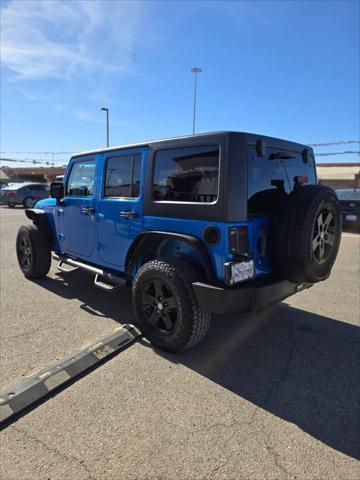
[187,175]
[273,177]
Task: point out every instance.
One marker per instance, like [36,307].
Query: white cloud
[58,39]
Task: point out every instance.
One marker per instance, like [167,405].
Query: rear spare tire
[33,252]
[309,234]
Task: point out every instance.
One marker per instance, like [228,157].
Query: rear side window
[272,178]
[122,178]
[81,179]
[187,175]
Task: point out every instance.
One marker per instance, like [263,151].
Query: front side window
[81,180]
[122,178]
[187,175]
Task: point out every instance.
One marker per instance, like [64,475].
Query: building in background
[335,175]
[339,175]
[4,179]
[30,174]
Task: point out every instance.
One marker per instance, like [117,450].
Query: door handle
[88,210]
[128,214]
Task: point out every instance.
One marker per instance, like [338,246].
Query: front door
[119,206]
[77,220]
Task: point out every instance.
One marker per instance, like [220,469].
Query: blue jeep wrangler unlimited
[211,223]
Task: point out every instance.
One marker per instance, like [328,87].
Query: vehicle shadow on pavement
[115,305]
[297,365]
[301,367]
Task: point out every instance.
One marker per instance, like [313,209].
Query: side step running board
[107,286]
[101,276]
[65,270]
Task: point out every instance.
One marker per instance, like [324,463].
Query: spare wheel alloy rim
[323,238]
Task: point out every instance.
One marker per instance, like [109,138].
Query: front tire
[33,252]
[166,307]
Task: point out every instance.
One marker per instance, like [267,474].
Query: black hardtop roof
[247,138]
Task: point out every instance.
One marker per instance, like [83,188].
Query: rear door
[77,220]
[119,207]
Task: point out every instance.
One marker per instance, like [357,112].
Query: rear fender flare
[144,240]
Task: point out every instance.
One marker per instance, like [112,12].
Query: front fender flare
[39,218]
[145,239]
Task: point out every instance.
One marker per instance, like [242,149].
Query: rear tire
[166,307]
[309,234]
[33,252]
[29,202]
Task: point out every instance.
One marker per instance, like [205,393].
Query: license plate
[242,271]
[352,218]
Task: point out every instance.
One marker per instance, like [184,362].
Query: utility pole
[107,124]
[195,70]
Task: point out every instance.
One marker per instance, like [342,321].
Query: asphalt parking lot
[271,397]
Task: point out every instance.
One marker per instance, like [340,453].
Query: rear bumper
[250,297]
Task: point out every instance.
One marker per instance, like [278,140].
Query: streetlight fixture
[107,124]
[195,70]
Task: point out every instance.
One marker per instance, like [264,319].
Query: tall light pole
[195,70]
[107,124]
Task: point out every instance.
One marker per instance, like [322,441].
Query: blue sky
[281,68]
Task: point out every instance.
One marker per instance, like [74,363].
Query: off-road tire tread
[183,272]
[292,238]
[41,253]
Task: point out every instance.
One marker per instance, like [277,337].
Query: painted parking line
[32,388]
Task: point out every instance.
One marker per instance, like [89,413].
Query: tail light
[10,194]
[238,240]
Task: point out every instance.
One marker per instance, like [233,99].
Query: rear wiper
[281,156]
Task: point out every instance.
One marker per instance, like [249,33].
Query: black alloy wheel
[165,305]
[33,252]
[24,253]
[159,306]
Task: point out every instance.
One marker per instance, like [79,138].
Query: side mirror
[57,190]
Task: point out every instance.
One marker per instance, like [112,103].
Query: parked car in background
[26,194]
[59,178]
[350,206]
